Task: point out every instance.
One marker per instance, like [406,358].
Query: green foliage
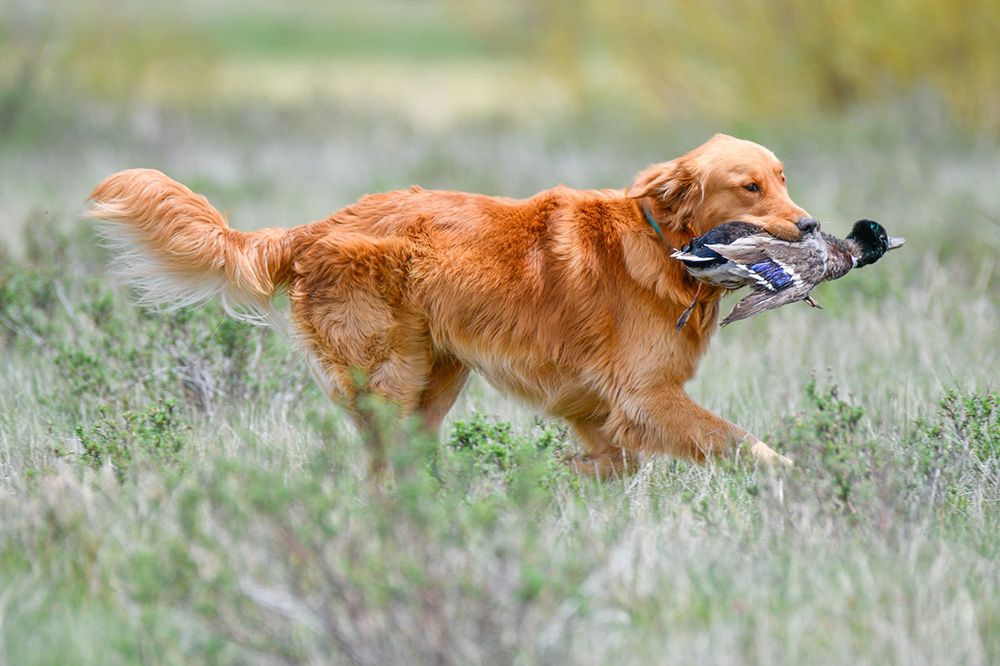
[483,452]
[27,302]
[240,562]
[824,440]
[86,374]
[107,353]
[219,362]
[972,421]
[844,465]
[155,433]
[964,434]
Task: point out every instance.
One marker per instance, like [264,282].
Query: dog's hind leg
[371,353]
[386,391]
[377,398]
[444,382]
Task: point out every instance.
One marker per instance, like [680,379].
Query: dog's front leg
[670,422]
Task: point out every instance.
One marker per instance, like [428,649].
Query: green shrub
[59,306]
[27,302]
[484,451]
[155,433]
[824,440]
[965,430]
[973,420]
[86,374]
[843,464]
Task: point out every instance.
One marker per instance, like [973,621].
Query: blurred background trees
[747,61]
[772,59]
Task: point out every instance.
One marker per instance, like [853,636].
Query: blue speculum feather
[773,273]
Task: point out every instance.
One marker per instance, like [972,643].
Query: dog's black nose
[807,224]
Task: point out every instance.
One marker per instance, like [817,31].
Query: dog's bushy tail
[177,250]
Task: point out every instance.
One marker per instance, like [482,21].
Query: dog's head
[724,179]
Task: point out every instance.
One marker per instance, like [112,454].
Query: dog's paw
[765,454]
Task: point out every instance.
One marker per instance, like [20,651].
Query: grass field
[174,489]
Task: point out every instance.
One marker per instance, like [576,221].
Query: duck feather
[738,254]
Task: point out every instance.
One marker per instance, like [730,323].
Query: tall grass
[175,490]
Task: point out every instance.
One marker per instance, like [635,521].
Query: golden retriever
[566,300]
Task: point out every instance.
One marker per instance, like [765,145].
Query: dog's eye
[752,187]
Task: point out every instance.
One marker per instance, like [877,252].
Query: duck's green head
[873,241]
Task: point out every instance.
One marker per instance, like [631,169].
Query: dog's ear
[674,187]
[671,182]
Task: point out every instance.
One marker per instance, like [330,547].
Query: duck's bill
[896,242]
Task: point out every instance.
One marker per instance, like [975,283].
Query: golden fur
[566,300]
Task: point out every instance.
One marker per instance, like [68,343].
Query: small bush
[59,306]
[841,463]
[965,429]
[973,420]
[27,301]
[155,433]
[485,451]
[824,440]
[86,374]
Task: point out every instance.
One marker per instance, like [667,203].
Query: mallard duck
[738,254]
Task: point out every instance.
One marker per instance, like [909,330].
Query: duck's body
[737,254]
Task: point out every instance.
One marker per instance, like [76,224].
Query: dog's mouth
[784,229]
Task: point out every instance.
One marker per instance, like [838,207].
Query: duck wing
[699,251]
[727,233]
[705,264]
[761,301]
[756,256]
